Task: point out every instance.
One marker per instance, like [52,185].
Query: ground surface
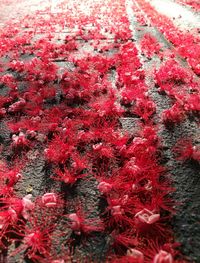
[46,22]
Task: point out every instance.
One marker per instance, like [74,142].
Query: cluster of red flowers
[186,44]
[137,13]
[150,45]
[181,87]
[191,3]
[72,117]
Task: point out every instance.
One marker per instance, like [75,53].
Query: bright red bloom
[185,150]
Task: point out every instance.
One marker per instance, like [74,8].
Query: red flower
[20,141]
[149,45]
[174,115]
[144,108]
[148,217]
[50,200]
[135,255]
[104,187]
[163,257]
[185,150]
[82,225]
[58,150]
[67,176]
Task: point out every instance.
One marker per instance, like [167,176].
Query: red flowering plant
[72,116]
[141,19]
[25,133]
[37,234]
[132,256]
[120,211]
[17,65]
[135,89]
[76,171]
[9,81]
[82,224]
[150,45]
[167,252]
[190,3]
[174,115]
[171,76]
[192,103]
[177,83]
[44,71]
[163,256]
[144,108]
[54,153]
[8,219]
[127,51]
[148,223]
[8,178]
[186,150]
[21,206]
[185,43]
[13,210]
[17,106]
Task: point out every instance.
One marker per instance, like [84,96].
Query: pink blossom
[135,254]
[147,216]
[163,257]
[50,200]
